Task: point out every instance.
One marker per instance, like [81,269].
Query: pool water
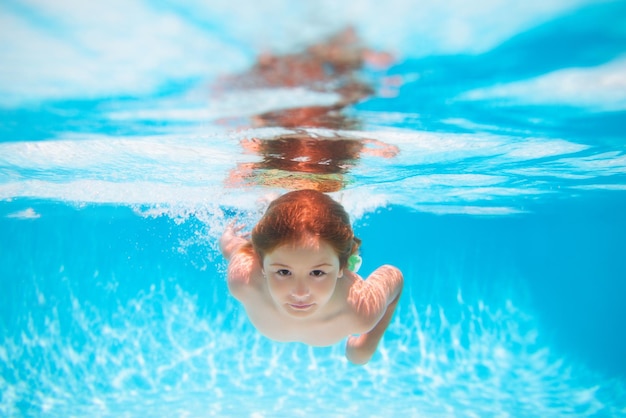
[481,150]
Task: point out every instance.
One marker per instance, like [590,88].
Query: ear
[340,274]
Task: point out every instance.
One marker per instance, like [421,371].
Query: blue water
[503,208]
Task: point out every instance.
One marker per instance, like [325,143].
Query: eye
[283,273]
[318,273]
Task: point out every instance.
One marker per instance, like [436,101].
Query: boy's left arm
[377,301]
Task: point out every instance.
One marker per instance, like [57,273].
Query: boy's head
[303,214]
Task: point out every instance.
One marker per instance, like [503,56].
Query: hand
[233,228]
[380,149]
[232,238]
[251,145]
[358,351]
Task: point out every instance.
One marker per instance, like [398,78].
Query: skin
[300,293]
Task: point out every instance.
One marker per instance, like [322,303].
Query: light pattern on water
[158,354]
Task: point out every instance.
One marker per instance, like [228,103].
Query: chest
[324,330]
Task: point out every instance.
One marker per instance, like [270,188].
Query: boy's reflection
[303,160]
[330,117]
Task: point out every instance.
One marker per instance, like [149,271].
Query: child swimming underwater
[294,279]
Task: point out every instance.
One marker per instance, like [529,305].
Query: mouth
[300,306]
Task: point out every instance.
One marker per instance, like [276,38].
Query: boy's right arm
[231,241]
[242,261]
[241,270]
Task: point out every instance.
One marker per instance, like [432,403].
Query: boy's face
[301,277]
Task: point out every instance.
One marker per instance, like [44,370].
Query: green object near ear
[354,263]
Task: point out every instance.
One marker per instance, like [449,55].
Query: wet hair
[298,214]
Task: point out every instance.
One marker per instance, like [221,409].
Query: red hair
[297,214]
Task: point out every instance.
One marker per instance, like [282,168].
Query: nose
[300,289]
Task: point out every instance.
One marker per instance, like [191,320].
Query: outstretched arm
[231,241]
[242,262]
[377,302]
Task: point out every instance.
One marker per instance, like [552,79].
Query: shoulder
[386,272]
[368,299]
[365,307]
[244,270]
